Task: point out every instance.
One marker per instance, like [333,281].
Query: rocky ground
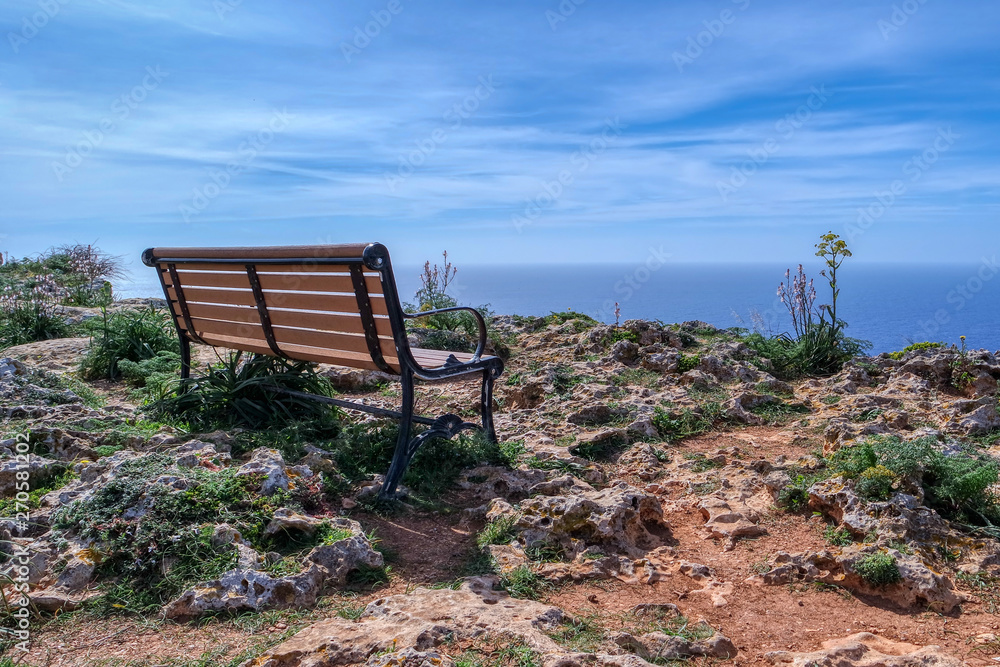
[668,502]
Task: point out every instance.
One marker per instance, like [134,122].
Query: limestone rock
[723,521]
[271,466]
[287,521]
[620,518]
[866,650]
[346,555]
[421,620]
[249,590]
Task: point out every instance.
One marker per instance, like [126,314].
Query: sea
[890,305]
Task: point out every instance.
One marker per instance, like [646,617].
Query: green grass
[523,582]
[701,462]
[838,537]
[687,423]
[958,485]
[639,377]
[500,530]
[503,652]
[241,391]
[9,507]
[688,362]
[878,569]
[775,414]
[133,335]
[915,346]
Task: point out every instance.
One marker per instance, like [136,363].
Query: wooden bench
[332,304]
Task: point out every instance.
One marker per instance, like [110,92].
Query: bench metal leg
[401,457]
[185,358]
[486,405]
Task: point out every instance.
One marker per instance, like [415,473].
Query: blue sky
[504,131]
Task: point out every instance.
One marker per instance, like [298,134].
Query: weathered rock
[596,414]
[271,466]
[918,584]
[249,590]
[525,396]
[421,620]
[739,407]
[489,482]
[620,519]
[662,362]
[39,469]
[659,646]
[346,555]
[625,351]
[866,650]
[641,461]
[722,521]
[287,521]
[410,657]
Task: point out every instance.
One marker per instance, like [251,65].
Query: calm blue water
[889,305]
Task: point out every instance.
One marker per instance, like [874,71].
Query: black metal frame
[375,258]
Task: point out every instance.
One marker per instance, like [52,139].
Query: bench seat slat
[336,342]
[275,281]
[290,318]
[302,352]
[336,303]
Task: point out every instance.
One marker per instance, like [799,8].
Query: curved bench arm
[479,320]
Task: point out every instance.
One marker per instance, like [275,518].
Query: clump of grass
[927,345]
[838,537]
[135,335]
[523,582]
[153,376]
[959,485]
[243,390]
[778,412]
[878,569]
[500,530]
[687,423]
[701,463]
[794,497]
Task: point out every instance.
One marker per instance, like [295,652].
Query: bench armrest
[479,321]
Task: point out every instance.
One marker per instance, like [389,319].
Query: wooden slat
[334,303]
[297,269]
[290,336]
[276,281]
[435,358]
[301,352]
[351,250]
[289,318]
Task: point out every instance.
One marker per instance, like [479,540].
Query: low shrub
[914,347]
[134,335]
[958,484]
[241,391]
[30,312]
[688,362]
[878,569]
[687,423]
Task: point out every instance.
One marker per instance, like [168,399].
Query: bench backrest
[334,304]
